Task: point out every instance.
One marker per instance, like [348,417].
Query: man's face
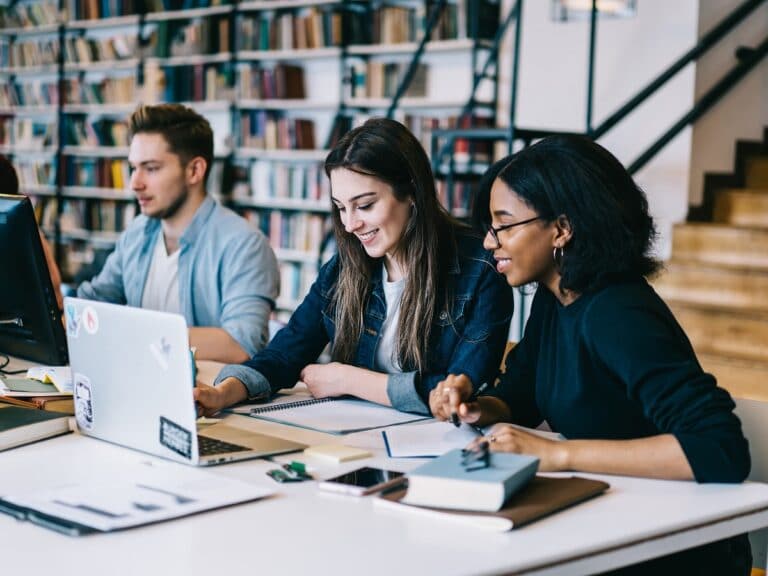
[158,177]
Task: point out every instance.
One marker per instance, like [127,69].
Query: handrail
[711,38]
[591,67]
[712,97]
[701,48]
[515,73]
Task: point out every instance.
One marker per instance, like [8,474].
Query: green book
[20,426]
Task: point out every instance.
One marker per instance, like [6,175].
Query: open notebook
[330,415]
[435,438]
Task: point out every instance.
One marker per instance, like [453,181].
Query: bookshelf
[279,80]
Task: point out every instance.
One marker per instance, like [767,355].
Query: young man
[186,253]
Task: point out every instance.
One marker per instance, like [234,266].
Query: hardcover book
[446,482]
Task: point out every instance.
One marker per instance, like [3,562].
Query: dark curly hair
[9,180]
[573,176]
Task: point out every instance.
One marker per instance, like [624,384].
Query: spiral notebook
[341,415]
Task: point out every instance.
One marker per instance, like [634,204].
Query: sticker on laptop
[83,401]
[162,352]
[90,320]
[73,320]
[175,438]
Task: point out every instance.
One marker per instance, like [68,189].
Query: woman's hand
[450,397]
[552,454]
[213,399]
[325,380]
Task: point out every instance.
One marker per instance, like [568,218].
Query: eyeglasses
[476,458]
[494,232]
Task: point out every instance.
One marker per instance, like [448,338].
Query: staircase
[716,282]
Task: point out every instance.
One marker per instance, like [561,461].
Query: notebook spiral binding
[286,405]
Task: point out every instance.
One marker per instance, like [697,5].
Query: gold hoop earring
[558,258]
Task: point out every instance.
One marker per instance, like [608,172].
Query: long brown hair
[387,151]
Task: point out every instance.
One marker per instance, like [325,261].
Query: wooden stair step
[721,244]
[757,172]
[743,379]
[742,207]
[724,332]
[714,286]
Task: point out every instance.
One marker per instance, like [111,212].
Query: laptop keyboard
[209,446]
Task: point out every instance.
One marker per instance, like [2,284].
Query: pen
[472,397]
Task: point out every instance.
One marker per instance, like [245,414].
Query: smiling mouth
[367,235]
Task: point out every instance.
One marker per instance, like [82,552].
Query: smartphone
[363,481]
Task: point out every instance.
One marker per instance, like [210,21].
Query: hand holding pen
[446,399]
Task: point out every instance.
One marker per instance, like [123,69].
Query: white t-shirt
[386,360]
[161,290]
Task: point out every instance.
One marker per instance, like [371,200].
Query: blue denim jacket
[228,276]
[469,340]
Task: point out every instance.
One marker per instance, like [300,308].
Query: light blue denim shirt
[228,275]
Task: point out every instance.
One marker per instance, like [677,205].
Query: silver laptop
[132,375]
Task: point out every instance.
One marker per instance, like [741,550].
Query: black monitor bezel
[49,345]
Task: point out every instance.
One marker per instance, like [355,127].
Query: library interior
[455,286]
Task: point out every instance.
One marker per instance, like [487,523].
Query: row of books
[458,197]
[38,92]
[80,131]
[267,130]
[34,93]
[295,281]
[281,81]
[108,90]
[377,79]
[27,133]
[29,14]
[86,50]
[422,127]
[267,181]
[311,28]
[35,173]
[98,9]
[209,35]
[166,5]
[189,83]
[78,215]
[387,25]
[101,172]
[293,230]
[40,52]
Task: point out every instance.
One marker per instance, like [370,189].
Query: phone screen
[365,477]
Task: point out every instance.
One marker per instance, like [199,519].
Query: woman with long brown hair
[410,297]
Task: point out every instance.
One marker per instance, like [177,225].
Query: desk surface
[302,531]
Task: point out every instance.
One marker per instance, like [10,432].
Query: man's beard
[175,205]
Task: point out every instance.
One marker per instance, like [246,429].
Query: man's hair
[187,133]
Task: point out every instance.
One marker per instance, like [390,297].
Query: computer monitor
[30,319]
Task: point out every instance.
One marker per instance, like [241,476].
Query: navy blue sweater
[615,364]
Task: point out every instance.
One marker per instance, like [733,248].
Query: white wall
[630,53]
[743,113]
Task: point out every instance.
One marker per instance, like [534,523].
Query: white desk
[301,531]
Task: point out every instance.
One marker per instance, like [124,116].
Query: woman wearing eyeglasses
[602,360]
[411,296]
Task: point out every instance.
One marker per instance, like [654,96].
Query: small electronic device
[363,481]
